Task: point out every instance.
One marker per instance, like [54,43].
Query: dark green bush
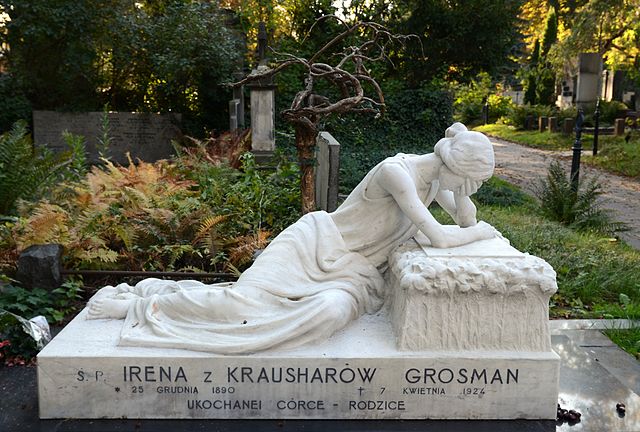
[254,198]
[501,193]
[27,172]
[14,104]
[579,209]
[612,110]
[415,120]
[517,114]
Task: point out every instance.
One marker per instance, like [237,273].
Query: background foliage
[135,56]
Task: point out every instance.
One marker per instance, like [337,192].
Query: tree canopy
[143,56]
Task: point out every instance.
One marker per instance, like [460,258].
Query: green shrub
[252,197]
[499,106]
[517,114]
[612,110]
[567,113]
[470,99]
[17,342]
[580,209]
[414,121]
[28,172]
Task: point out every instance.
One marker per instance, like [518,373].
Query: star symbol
[117,389]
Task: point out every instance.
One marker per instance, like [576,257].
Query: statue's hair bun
[455,129]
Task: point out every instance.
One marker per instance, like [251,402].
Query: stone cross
[262,42]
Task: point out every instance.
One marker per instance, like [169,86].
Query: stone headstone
[543,123]
[39,266]
[327,171]
[613,85]
[263,140]
[553,124]
[568,126]
[145,136]
[618,127]
[589,67]
[234,114]
[238,93]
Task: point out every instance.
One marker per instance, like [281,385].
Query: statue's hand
[485,231]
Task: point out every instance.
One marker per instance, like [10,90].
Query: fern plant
[28,172]
[580,209]
[160,216]
[23,168]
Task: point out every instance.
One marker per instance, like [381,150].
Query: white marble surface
[484,295]
[358,373]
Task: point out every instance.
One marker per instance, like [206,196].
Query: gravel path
[523,166]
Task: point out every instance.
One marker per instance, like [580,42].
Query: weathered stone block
[262,119]
[327,171]
[144,136]
[39,266]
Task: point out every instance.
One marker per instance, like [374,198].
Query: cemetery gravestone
[263,139]
[529,122]
[145,136]
[327,170]
[589,67]
[234,114]
[303,332]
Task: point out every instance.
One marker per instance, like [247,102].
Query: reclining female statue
[323,271]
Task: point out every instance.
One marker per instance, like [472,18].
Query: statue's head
[467,155]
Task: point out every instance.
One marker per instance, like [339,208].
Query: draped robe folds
[313,279]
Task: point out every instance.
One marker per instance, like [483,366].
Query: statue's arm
[395,181]
[461,208]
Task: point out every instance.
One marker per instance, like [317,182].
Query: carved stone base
[357,374]
[483,296]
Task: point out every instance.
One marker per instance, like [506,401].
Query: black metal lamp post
[596,129]
[577,151]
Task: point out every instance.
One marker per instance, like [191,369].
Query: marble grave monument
[373,311]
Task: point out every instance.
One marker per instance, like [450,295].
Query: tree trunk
[305,144]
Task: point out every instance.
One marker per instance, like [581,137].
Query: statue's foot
[108,308]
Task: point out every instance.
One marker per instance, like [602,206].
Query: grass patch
[540,140]
[627,339]
[617,155]
[614,153]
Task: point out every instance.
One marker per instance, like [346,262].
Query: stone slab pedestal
[357,374]
[482,296]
